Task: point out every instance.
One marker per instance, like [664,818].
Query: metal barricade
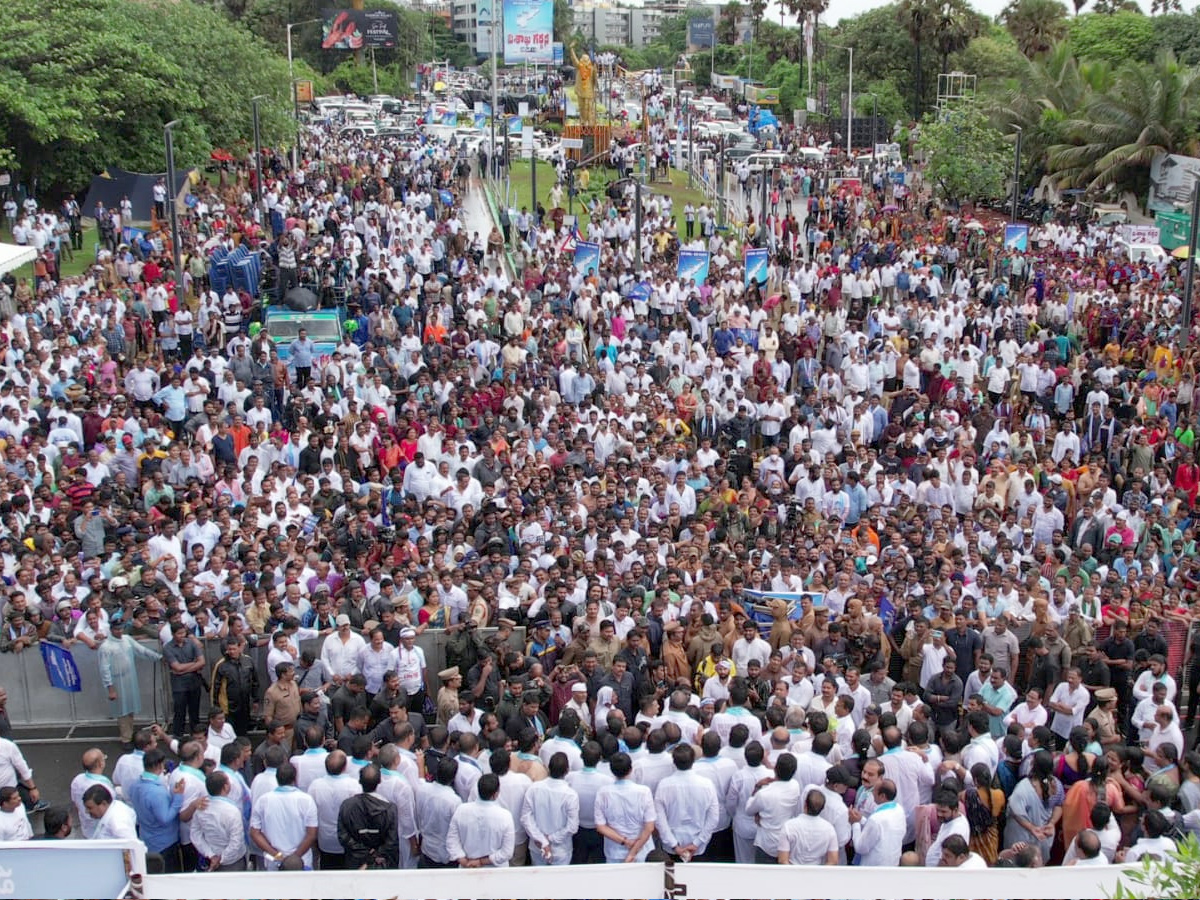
[32,702]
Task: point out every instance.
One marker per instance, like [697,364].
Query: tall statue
[585,86]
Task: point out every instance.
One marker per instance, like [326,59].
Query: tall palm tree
[955,24]
[1036,25]
[1165,6]
[1149,109]
[917,18]
[802,9]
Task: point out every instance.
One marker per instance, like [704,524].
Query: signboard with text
[528,31]
[358,29]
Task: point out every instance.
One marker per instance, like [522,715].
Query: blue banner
[693,264]
[515,126]
[640,291]
[449,118]
[60,667]
[480,121]
[756,265]
[587,257]
[558,53]
[528,31]
[701,33]
[1016,237]
[446,197]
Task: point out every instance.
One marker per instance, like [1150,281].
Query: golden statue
[585,86]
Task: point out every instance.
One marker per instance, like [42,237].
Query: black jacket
[368,831]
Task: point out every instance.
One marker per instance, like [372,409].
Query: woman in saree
[984,804]
[1035,807]
[1082,798]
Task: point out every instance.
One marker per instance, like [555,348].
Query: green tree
[917,17]
[1036,25]
[955,24]
[993,55]
[1112,7]
[1150,108]
[883,51]
[89,83]
[727,23]
[1118,37]
[1165,6]
[967,157]
[1180,34]
[802,9]
[564,20]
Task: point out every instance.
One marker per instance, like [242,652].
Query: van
[770,159]
[1152,253]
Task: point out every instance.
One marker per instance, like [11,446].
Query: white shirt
[328,792]
[436,805]
[193,789]
[562,745]
[14,826]
[720,772]
[1146,846]
[218,831]
[310,765]
[118,823]
[127,770]
[550,815]
[774,804]
[13,767]
[341,658]
[481,829]
[79,784]
[626,807]
[909,773]
[284,816]
[879,839]
[958,825]
[686,811]
[587,784]
[808,840]
[1078,700]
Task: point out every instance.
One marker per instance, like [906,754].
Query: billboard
[528,31]
[358,29]
[702,33]
[1172,178]
[763,96]
[1016,237]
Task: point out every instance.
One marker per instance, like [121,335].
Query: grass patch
[70,267]
[521,192]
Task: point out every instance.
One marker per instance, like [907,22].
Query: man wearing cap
[340,651]
[447,696]
[117,659]
[411,666]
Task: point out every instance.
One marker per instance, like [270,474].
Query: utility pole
[295,92]
[637,222]
[169,141]
[691,146]
[1189,284]
[721,185]
[495,91]
[258,190]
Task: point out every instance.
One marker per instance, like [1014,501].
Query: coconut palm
[1036,25]
[954,25]
[1149,109]
[917,18]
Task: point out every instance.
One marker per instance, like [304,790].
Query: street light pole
[850,106]
[637,223]
[169,141]
[1016,175]
[258,191]
[295,92]
[495,91]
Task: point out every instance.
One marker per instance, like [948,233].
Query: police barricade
[32,702]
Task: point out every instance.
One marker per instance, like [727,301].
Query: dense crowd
[889,559]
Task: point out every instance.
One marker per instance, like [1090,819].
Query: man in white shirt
[115,819]
[436,804]
[807,839]
[908,772]
[952,822]
[93,773]
[328,793]
[773,805]
[218,831]
[340,651]
[283,822]
[1068,703]
[14,822]
[686,808]
[587,784]
[481,833]
[879,838]
[625,815]
[550,815]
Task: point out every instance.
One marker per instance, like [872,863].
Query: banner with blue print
[758,606]
[450,118]
[640,292]
[515,126]
[756,265]
[528,31]
[60,667]
[1016,237]
[693,264]
[446,197]
[480,121]
[587,257]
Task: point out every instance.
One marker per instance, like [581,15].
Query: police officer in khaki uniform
[447,697]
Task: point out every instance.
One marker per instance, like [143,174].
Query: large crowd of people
[890,559]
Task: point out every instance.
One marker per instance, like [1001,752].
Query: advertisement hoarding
[701,34]
[528,31]
[358,29]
